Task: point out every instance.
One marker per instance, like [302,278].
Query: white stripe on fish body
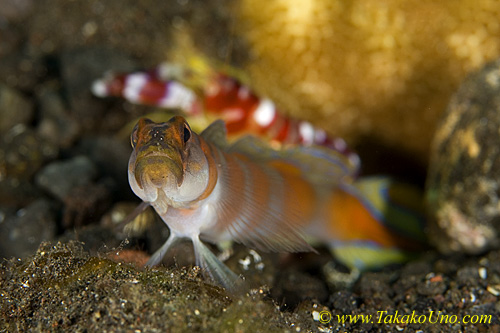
[320,136]
[251,204]
[177,96]
[133,85]
[265,112]
[100,88]
[307,132]
[244,93]
[249,211]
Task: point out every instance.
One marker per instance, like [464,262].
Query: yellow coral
[382,69]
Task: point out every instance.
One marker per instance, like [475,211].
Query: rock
[59,178]
[344,301]
[23,152]
[85,204]
[285,288]
[15,10]
[468,276]
[432,285]
[79,68]
[22,233]
[14,108]
[17,192]
[464,172]
[111,156]
[57,125]
[377,285]
[10,41]
[22,69]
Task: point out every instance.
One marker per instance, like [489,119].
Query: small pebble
[59,178]
[56,124]
[483,273]
[22,233]
[14,108]
[23,152]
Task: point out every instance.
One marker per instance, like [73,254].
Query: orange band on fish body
[351,220]
[212,169]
